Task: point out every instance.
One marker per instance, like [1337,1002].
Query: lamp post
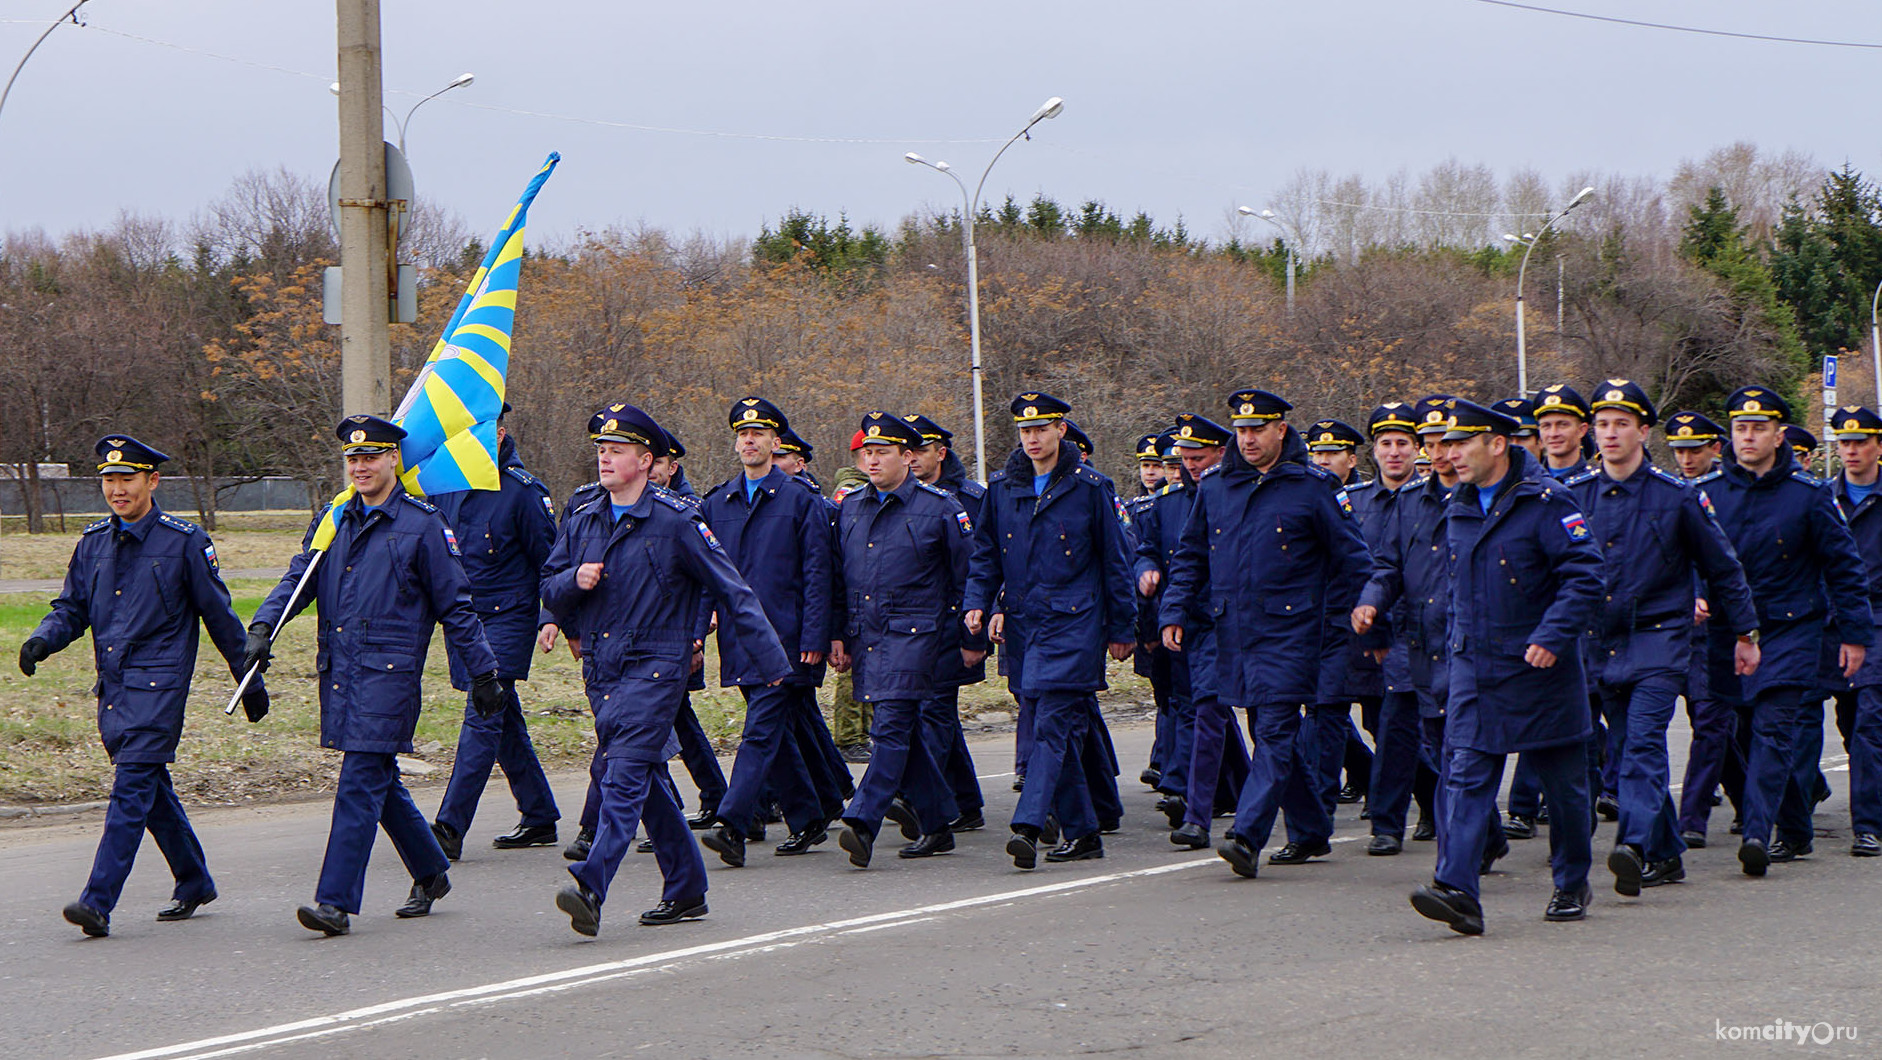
[1875,345]
[970,204]
[457,82]
[1287,242]
[71,15]
[1529,242]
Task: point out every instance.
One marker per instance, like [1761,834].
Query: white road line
[373,1015]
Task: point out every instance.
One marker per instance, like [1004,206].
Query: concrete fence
[81,498]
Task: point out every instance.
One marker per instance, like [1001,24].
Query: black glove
[487,695]
[256,655]
[32,653]
[255,702]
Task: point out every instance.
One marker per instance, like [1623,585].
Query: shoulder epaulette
[1577,479]
[523,476]
[1085,471]
[936,490]
[996,476]
[1170,488]
[973,489]
[1362,484]
[422,505]
[671,499]
[587,489]
[181,526]
[1709,476]
[1665,475]
[1207,471]
[843,492]
[584,504]
[808,486]
[99,525]
[1806,477]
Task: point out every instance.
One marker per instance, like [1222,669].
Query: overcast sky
[1171,107]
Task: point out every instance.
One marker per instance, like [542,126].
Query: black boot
[424,892]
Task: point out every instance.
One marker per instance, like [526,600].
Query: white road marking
[405,1008]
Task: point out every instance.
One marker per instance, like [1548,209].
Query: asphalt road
[1151,951]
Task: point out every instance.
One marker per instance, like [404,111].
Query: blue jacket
[970,495]
[140,589]
[505,535]
[1347,672]
[1793,542]
[1137,509]
[1268,557]
[780,541]
[1527,573]
[1062,561]
[636,625]
[1411,583]
[1655,532]
[1159,533]
[1865,527]
[387,579]
[904,567]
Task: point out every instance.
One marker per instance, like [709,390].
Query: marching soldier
[1526,578]
[1272,545]
[1562,424]
[1052,542]
[1396,733]
[140,580]
[628,572]
[1794,545]
[776,531]
[1859,445]
[904,547]
[1523,411]
[1150,660]
[1655,532]
[933,463]
[1803,446]
[850,721]
[506,535]
[391,573]
[1348,672]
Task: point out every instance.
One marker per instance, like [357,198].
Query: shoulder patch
[1345,502]
[967,525]
[842,492]
[1706,503]
[99,525]
[426,506]
[450,540]
[1123,516]
[522,476]
[209,553]
[1577,529]
[181,526]
[705,532]
[547,504]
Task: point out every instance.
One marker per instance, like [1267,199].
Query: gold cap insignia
[1248,408]
[616,408]
[1685,430]
[358,436]
[1850,425]
[1434,416]
[1552,399]
[750,414]
[1752,406]
[610,425]
[1029,397]
[114,456]
[1030,411]
[1188,431]
[1616,395]
[875,430]
[1326,436]
[751,401]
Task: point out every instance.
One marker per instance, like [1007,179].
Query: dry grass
[49,750]
[237,548]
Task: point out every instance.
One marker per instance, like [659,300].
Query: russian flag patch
[706,532]
[1577,529]
[450,541]
[967,526]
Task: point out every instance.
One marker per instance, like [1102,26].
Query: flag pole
[307,575]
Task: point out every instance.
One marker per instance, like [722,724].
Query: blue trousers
[1639,714]
[1163,748]
[1056,773]
[1799,803]
[1176,731]
[1324,735]
[1218,763]
[942,733]
[633,794]
[1526,788]
[702,762]
[829,774]
[900,763]
[1865,762]
[1714,745]
[1778,719]
[371,796]
[142,798]
[1100,762]
[1274,763]
[768,757]
[1023,734]
[500,740]
[1394,763]
[1468,819]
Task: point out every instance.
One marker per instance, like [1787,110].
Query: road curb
[62,809]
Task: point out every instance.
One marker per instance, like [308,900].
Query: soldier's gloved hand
[255,702]
[487,695]
[256,655]
[32,653]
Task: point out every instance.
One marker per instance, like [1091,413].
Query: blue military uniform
[941,714]
[1055,550]
[1150,660]
[1655,532]
[1348,674]
[505,535]
[658,558]
[1525,571]
[391,573]
[142,588]
[1863,509]
[904,565]
[777,532]
[1794,545]
[1271,553]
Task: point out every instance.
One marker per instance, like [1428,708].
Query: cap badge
[358,436]
[114,456]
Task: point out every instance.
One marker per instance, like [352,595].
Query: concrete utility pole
[365,253]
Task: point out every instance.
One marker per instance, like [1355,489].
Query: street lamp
[1875,345]
[71,15]
[1051,108]
[457,82]
[1529,242]
[1287,242]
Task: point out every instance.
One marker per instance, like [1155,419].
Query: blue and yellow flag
[450,413]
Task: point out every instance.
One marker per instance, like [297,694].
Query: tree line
[205,337]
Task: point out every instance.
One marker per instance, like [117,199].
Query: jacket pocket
[142,680]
